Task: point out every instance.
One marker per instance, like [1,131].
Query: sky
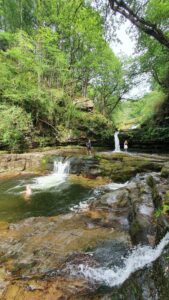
[126,48]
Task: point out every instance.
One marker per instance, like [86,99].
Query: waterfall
[61,167]
[58,176]
[116,142]
[138,259]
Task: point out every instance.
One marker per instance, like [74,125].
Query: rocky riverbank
[34,162]
[117,166]
[42,258]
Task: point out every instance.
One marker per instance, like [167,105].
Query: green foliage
[154,56]
[15,127]
[85,124]
[158,11]
[137,112]
[55,51]
[51,53]
[162,210]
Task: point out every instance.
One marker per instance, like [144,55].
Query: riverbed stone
[41,244]
[60,288]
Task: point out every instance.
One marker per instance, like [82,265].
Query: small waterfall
[116,142]
[59,175]
[138,259]
[61,168]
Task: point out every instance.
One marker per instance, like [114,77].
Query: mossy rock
[123,167]
[165,172]
[46,163]
[135,231]
[166,198]
[150,181]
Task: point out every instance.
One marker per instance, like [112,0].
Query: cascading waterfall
[115,276]
[116,142]
[59,175]
[61,167]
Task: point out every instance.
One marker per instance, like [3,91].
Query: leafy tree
[17,14]
[55,51]
[15,127]
[108,81]
[144,15]
[154,58]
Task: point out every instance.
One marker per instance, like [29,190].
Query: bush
[15,127]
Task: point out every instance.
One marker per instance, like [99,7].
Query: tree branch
[43,121]
[117,102]
[144,25]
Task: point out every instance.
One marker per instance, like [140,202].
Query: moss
[19,267]
[156,198]
[122,167]
[46,163]
[134,228]
[165,172]
[166,198]
[155,194]
[150,181]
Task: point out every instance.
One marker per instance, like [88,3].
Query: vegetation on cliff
[151,113]
[54,53]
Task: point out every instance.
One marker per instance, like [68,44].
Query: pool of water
[48,201]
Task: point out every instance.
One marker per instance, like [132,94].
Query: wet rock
[81,258]
[40,244]
[121,167]
[87,182]
[141,212]
[165,171]
[60,288]
[4,226]
[116,198]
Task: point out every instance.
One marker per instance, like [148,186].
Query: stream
[84,238]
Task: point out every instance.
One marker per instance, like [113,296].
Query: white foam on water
[59,175]
[18,189]
[138,259]
[109,187]
[81,207]
[84,206]
[115,186]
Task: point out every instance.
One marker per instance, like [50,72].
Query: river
[82,235]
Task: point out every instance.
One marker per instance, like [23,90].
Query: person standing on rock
[125,145]
[89,147]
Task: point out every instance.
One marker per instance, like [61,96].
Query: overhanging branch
[144,25]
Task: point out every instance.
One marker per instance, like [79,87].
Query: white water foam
[115,276]
[84,206]
[81,207]
[59,175]
[115,186]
